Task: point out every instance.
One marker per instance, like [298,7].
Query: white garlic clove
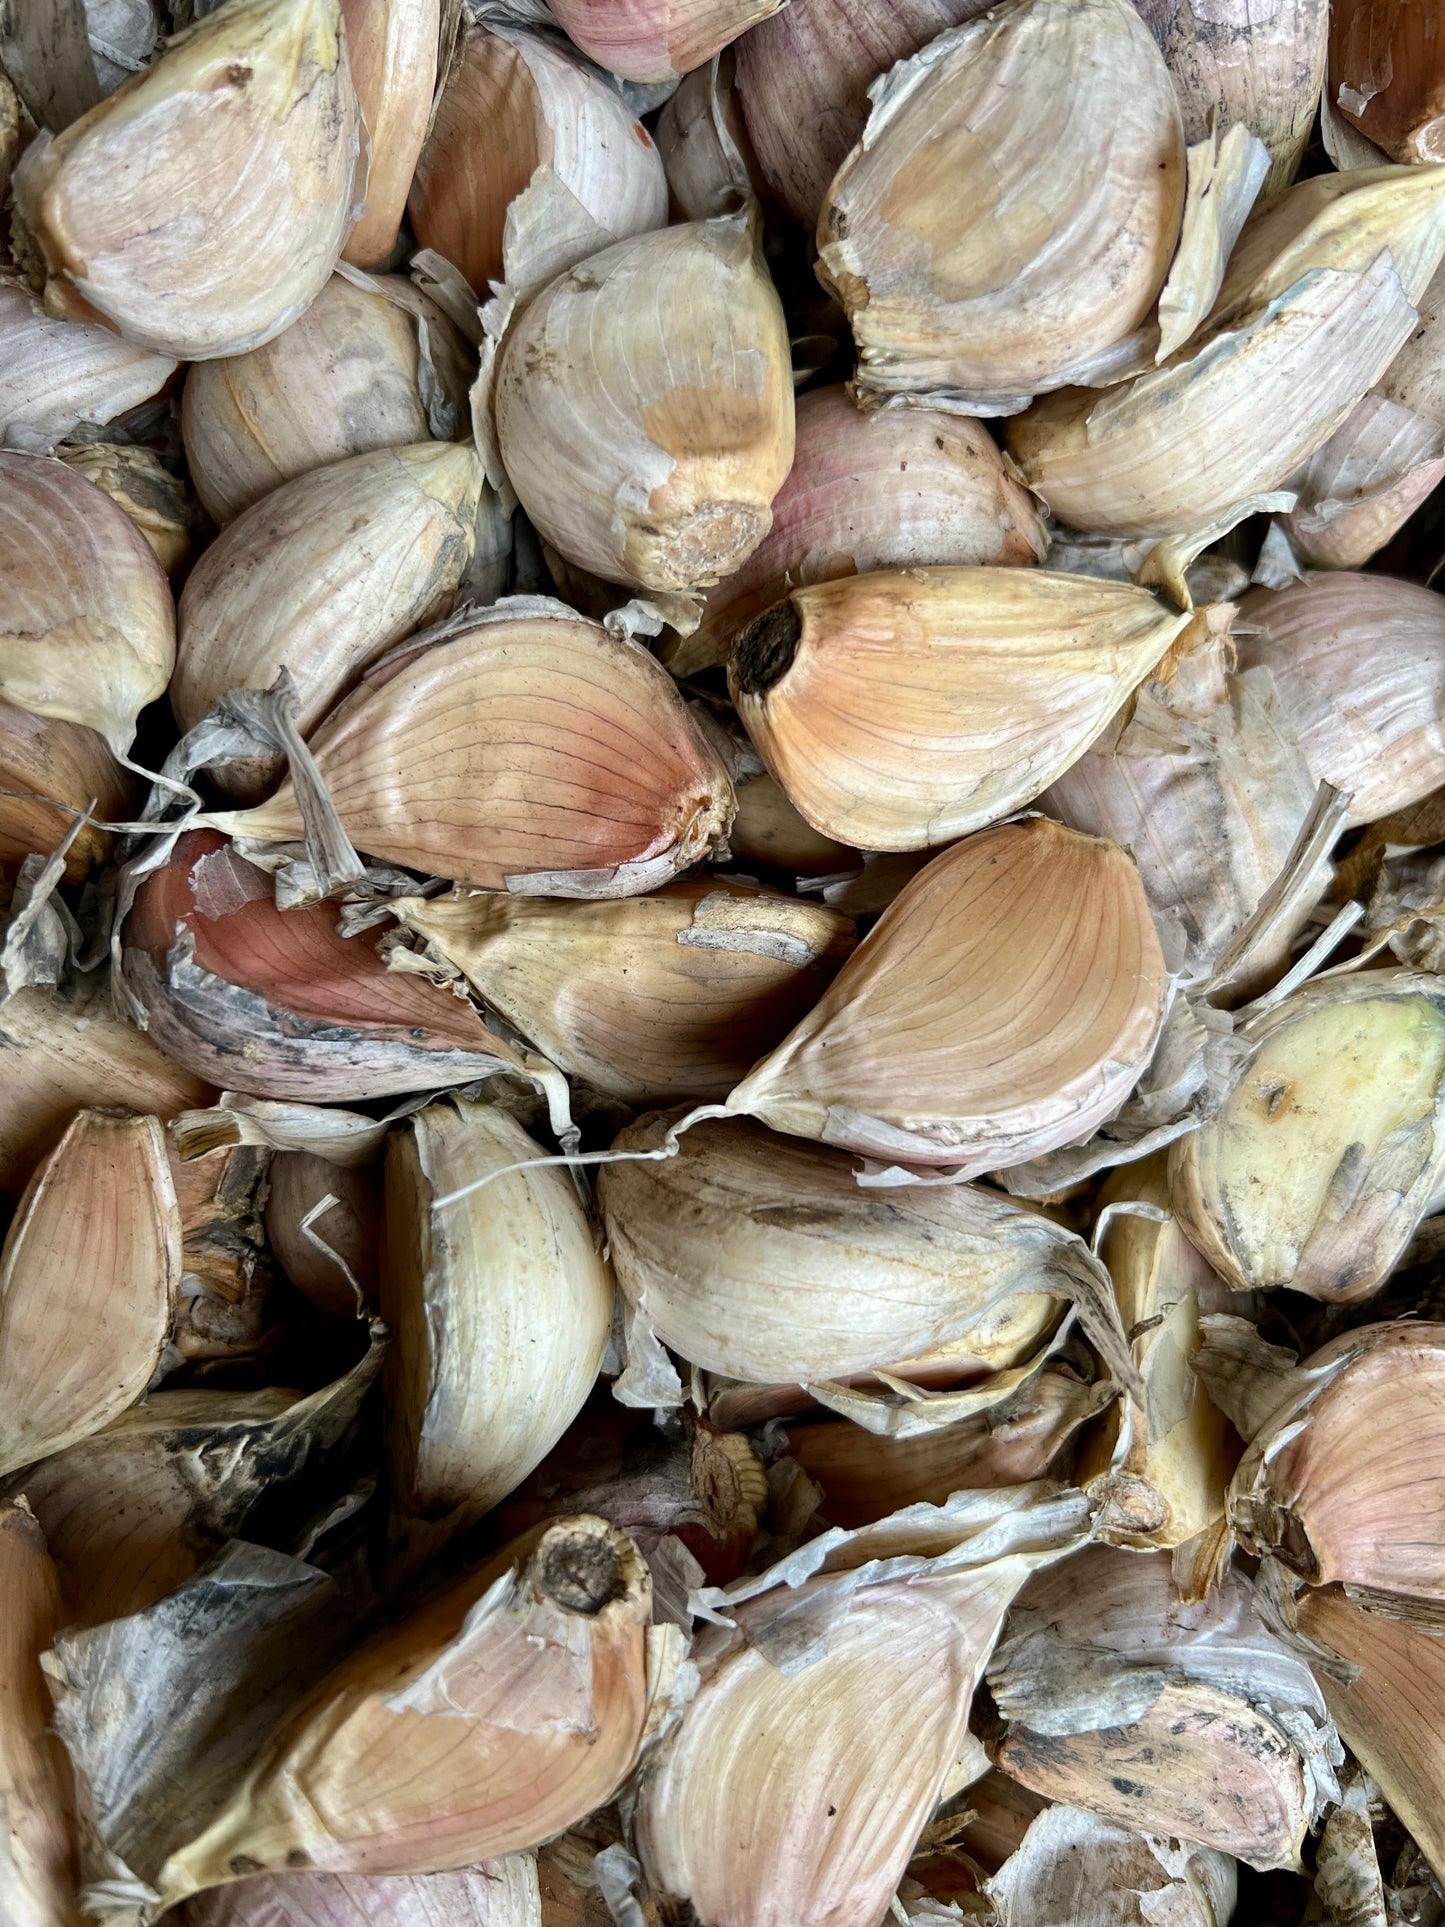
[57,375]
[658,40]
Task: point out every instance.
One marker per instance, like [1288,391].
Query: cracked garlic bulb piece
[905,709]
[39,1849]
[1340,1100]
[1072,1869]
[57,375]
[644,406]
[391,48]
[658,40]
[204,204]
[1387,75]
[1010,214]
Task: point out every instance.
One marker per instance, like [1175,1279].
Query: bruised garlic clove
[87,625]
[356,372]
[1009,217]
[532,163]
[927,1049]
[494,1893]
[905,709]
[649,999]
[38,1843]
[91,1265]
[1387,75]
[658,40]
[1339,1100]
[391,48]
[644,406]
[49,772]
[140,484]
[204,204]
[526,750]
[56,375]
[335,1254]
[898,488]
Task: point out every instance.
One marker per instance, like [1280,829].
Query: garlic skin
[143,488]
[391,48]
[1049,125]
[1339,1099]
[1073,1869]
[87,625]
[1360,489]
[56,375]
[907,708]
[354,373]
[644,406]
[658,40]
[904,487]
[38,1846]
[203,206]
[495,1893]
[1416,377]
[1387,76]
[350,1228]
[703,144]
[875,1070]
[53,771]
[532,164]
[1358,663]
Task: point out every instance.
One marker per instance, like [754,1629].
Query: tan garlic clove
[768,829]
[321,578]
[90,1268]
[391,48]
[500,1305]
[494,1893]
[899,488]
[1009,217]
[644,406]
[57,375]
[1358,665]
[204,204]
[658,40]
[1073,1869]
[38,1842]
[649,999]
[703,144]
[87,625]
[926,1050]
[526,750]
[532,163]
[279,1002]
[137,481]
[907,708]
[49,772]
[1387,75]
[356,372]
[1337,1097]
[1360,489]
[332,1252]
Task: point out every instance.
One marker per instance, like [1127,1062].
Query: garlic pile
[722,963]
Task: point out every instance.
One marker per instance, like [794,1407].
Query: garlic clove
[333,1256]
[768,829]
[57,375]
[1072,1869]
[1366,482]
[1387,76]
[49,772]
[391,48]
[658,40]
[38,1845]
[704,146]
[904,709]
[1416,377]
[87,625]
[494,1893]
[137,481]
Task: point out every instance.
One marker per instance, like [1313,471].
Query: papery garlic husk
[907,708]
[87,625]
[704,146]
[532,163]
[9,130]
[495,1893]
[90,1267]
[56,375]
[1323,279]
[763,1258]
[220,1197]
[49,772]
[644,406]
[1010,214]
[500,1304]
[1387,75]
[648,999]
[658,40]
[898,488]
[357,371]
[1358,664]
[845,1678]
[526,750]
[1366,482]
[138,482]
[38,1848]
[321,578]
[1191,1721]
[279,1002]
[204,204]
[1000,1814]
[1327,1150]
[391,48]
[1073,1869]
[334,1256]
[925,1050]
[1416,377]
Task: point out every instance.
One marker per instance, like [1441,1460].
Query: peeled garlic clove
[651,998]
[976,249]
[658,40]
[925,1048]
[532,163]
[391,48]
[1337,1100]
[90,1267]
[354,373]
[900,488]
[495,1893]
[1364,484]
[644,406]
[37,1792]
[204,204]
[526,750]
[501,1306]
[52,770]
[321,578]
[56,375]
[87,625]
[279,1002]
[1387,75]
[1073,1869]
[335,1254]
[904,709]
[1358,664]
[139,483]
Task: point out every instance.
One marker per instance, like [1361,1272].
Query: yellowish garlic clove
[1072,1869]
[658,40]
[391,48]
[768,829]
[137,481]
[49,772]
[38,1842]
[704,145]
[1366,482]
[87,625]
[358,371]
[907,708]
[1008,219]
[1387,75]
[329,1251]
[644,406]
[203,206]
[57,375]
[494,1893]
